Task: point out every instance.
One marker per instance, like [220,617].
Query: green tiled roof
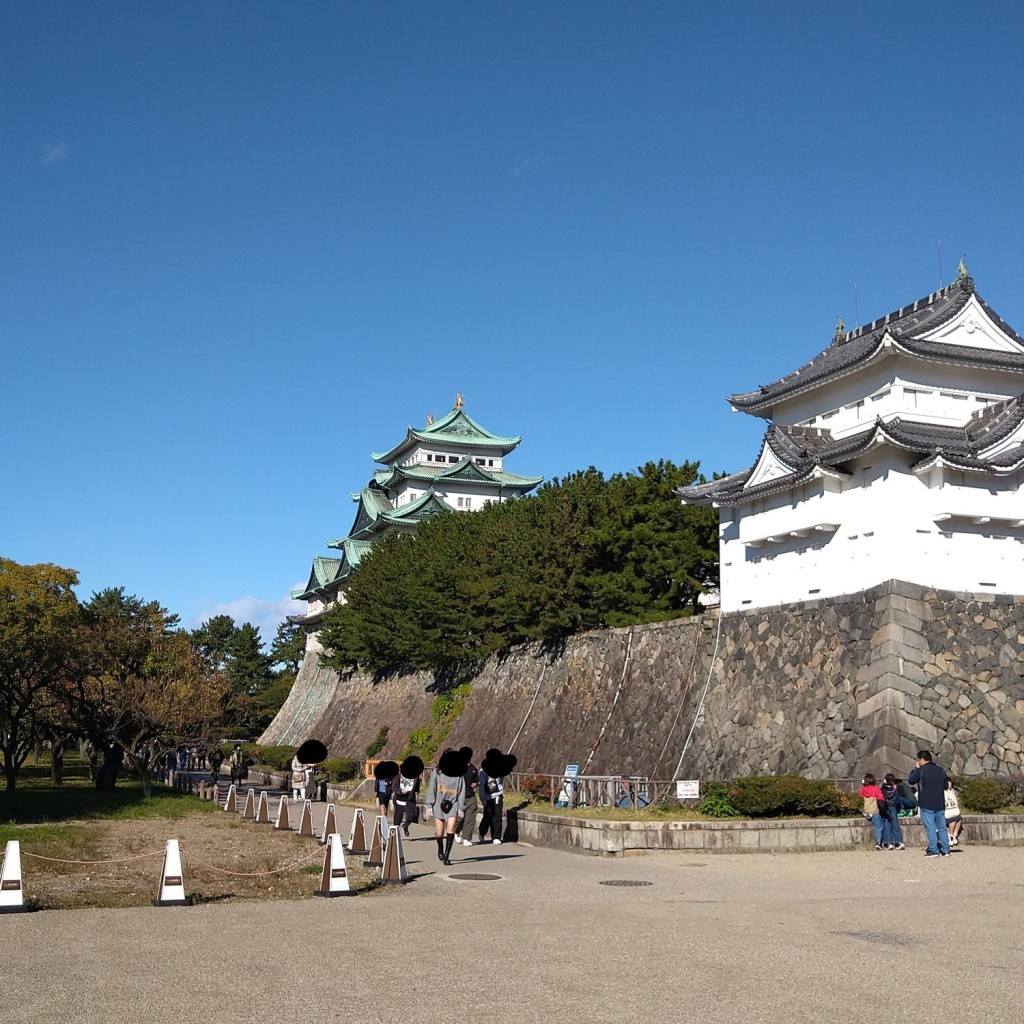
[456,430]
[467,471]
[425,506]
[324,572]
[372,503]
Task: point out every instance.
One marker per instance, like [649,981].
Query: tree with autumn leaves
[115,671]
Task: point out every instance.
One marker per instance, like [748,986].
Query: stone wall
[826,689]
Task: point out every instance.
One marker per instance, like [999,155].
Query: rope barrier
[251,874]
[119,860]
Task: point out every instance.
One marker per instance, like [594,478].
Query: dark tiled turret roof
[805,451]
[906,327]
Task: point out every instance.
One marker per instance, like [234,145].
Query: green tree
[288,647]
[585,551]
[143,686]
[39,616]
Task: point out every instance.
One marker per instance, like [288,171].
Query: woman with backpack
[406,786]
[874,801]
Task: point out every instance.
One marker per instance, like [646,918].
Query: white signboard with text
[687,789]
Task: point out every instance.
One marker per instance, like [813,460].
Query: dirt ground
[224,858]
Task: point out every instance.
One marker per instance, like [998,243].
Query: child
[874,801]
[892,834]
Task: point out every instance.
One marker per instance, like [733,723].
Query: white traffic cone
[334,877]
[394,871]
[263,809]
[306,821]
[282,823]
[12,895]
[357,837]
[330,823]
[249,811]
[375,858]
[172,881]
[231,803]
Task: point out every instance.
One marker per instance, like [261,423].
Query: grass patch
[523,802]
[37,800]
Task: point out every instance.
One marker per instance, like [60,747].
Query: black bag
[446,806]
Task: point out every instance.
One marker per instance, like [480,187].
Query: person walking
[491,781]
[239,766]
[931,780]
[892,834]
[446,800]
[874,801]
[216,760]
[465,833]
[384,775]
[298,778]
[406,786]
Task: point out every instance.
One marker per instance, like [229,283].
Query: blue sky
[246,244]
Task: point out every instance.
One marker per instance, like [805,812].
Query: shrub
[715,803]
[776,796]
[449,705]
[421,741]
[340,769]
[378,743]
[983,796]
[537,787]
[271,757]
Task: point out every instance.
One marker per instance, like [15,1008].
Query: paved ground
[794,938]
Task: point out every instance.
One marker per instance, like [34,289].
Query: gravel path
[812,937]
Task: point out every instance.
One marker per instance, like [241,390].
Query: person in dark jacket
[931,781]
[405,790]
[464,835]
[892,834]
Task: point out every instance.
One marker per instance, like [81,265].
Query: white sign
[568,790]
[688,789]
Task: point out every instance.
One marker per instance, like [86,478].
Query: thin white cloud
[265,615]
[533,164]
[56,152]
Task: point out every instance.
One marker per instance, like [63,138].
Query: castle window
[452,458]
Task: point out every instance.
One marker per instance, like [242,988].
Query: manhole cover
[470,876]
[624,882]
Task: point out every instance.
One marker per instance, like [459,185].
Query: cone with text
[12,892]
[334,877]
[171,892]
